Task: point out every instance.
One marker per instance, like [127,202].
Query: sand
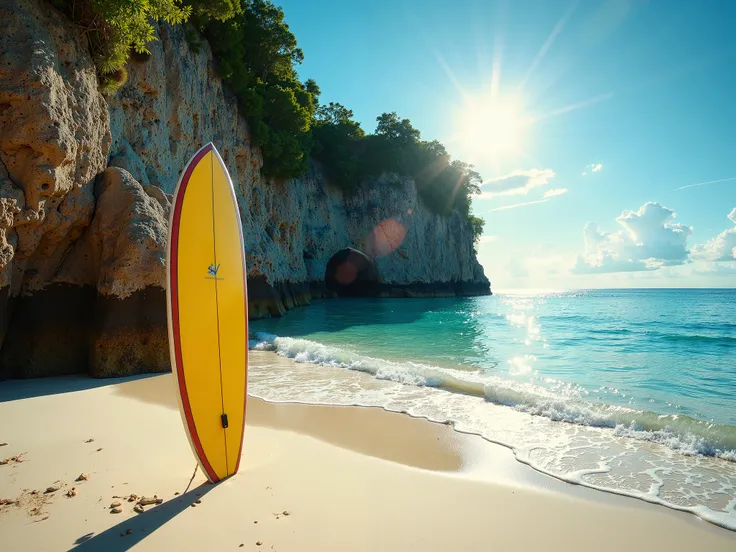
[312,478]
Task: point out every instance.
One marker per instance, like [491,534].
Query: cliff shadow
[13,390]
[334,315]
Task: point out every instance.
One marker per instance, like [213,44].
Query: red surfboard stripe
[175,313]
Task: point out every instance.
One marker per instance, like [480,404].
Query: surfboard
[208,312]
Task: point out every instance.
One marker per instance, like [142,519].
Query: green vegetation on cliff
[257,56]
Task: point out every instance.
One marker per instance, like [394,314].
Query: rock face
[85,191]
[174,103]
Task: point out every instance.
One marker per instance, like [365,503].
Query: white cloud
[516,183]
[594,167]
[648,240]
[517,205]
[707,182]
[720,248]
[555,192]
[720,269]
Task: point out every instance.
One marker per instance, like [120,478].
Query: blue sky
[536,93]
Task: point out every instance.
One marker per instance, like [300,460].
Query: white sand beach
[312,478]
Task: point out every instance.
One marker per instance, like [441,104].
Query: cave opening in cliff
[351,273]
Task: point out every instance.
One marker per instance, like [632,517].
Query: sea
[627,391]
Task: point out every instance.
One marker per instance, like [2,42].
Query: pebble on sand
[146,500]
[53,488]
[138,509]
[72,492]
[258,543]
[82,477]
[115,504]
[3,444]
[116,510]
[89,441]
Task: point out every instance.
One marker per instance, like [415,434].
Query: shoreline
[350,478]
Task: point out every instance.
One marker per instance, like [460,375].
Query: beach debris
[128,531]
[44,518]
[198,501]
[34,492]
[147,500]
[53,488]
[3,444]
[17,459]
[116,510]
[193,504]
[176,493]
[138,509]
[90,441]
[256,521]
[115,504]
[259,543]
[286,513]
[71,492]
[241,545]
[82,477]
[7,501]
[99,449]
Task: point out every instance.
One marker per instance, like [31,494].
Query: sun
[492,126]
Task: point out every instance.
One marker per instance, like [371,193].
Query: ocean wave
[680,433]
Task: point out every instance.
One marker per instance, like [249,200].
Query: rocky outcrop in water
[85,186]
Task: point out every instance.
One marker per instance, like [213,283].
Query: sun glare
[492,126]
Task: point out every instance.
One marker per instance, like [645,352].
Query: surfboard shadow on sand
[131,531]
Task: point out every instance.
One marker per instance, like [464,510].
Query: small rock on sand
[89,441]
[115,504]
[193,505]
[241,545]
[258,543]
[286,513]
[3,444]
[53,488]
[146,500]
[6,501]
[138,509]
[176,493]
[82,477]
[71,493]
[99,449]
[198,501]
[116,510]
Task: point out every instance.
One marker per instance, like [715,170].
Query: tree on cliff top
[113,27]
[256,54]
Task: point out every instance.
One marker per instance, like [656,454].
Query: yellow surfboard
[208,312]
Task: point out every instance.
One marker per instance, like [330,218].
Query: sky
[605,131]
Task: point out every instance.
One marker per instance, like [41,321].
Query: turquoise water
[641,384]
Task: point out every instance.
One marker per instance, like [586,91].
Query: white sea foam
[674,461]
[680,433]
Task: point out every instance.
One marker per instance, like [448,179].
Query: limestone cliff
[82,248]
